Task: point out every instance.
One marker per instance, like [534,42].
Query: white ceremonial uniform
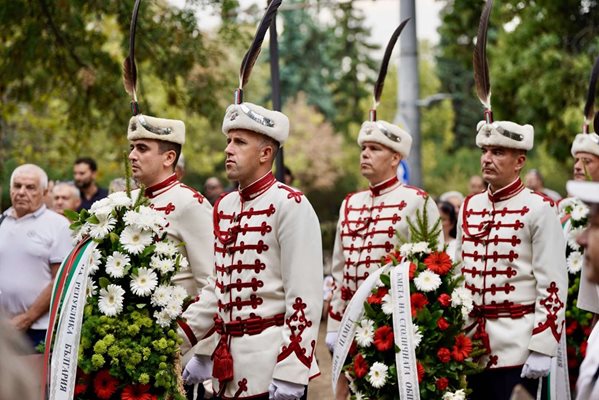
[368,228]
[513,253]
[265,298]
[189,217]
[586,386]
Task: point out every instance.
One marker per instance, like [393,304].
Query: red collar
[156,189]
[506,192]
[379,189]
[255,189]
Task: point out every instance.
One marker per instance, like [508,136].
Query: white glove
[537,365]
[197,370]
[331,340]
[283,390]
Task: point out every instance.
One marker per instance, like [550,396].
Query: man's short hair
[74,190]
[268,141]
[28,169]
[164,146]
[89,161]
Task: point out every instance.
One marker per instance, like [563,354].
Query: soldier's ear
[395,160]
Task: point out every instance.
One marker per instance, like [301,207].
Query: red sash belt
[494,311]
[222,360]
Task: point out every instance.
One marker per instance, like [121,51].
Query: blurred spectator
[476,184]
[33,242]
[120,185]
[17,380]
[65,196]
[449,221]
[49,197]
[534,181]
[84,175]
[455,198]
[213,188]
[288,177]
[180,167]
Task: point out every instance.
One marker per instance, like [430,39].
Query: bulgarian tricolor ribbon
[405,358]
[64,327]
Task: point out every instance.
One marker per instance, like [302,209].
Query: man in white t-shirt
[33,242]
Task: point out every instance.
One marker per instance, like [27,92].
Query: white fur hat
[587,143]
[146,127]
[389,135]
[505,134]
[252,117]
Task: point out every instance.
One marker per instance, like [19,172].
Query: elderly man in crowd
[65,196]
[33,242]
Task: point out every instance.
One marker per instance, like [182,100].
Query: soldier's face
[243,154]
[378,162]
[146,161]
[586,162]
[500,166]
[589,240]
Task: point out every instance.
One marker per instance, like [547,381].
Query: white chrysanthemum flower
[117,264]
[163,265]
[572,236]
[162,295]
[90,289]
[405,250]
[146,218]
[94,261]
[358,395]
[178,293]
[174,308]
[427,281]
[565,205]
[457,395]
[421,247]
[579,212]
[377,376]
[465,312]
[143,282]
[120,199]
[416,335]
[166,248]
[162,318]
[183,263]
[102,207]
[365,332]
[462,297]
[111,300]
[78,236]
[387,305]
[574,262]
[103,227]
[134,241]
[131,217]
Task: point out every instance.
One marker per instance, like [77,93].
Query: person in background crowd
[180,168]
[534,181]
[65,196]
[449,221]
[49,196]
[17,380]
[33,242]
[288,177]
[84,176]
[213,188]
[476,184]
[120,185]
[453,197]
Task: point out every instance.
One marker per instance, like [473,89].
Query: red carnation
[383,338]
[442,323]
[392,257]
[353,348]
[439,263]
[81,382]
[444,355]
[137,392]
[360,366]
[412,270]
[462,347]
[571,328]
[444,299]
[583,348]
[377,298]
[105,384]
[420,370]
[418,301]
[442,384]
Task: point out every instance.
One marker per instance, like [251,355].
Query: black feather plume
[129,67]
[380,81]
[589,107]
[252,54]
[481,67]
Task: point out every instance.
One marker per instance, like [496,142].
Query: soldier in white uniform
[265,300]
[512,251]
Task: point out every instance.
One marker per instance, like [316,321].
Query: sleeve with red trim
[337,304]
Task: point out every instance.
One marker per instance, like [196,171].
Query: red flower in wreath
[392,257]
[383,338]
[444,299]
[420,370]
[442,384]
[82,382]
[412,271]
[360,366]
[583,348]
[137,392]
[418,301]
[444,355]
[571,328]
[462,347]
[105,384]
[353,348]
[377,298]
[442,324]
[439,263]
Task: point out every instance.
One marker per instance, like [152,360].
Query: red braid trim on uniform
[196,195]
[293,194]
[346,220]
[255,189]
[297,324]
[506,192]
[228,236]
[546,198]
[552,304]
[150,192]
[188,332]
[377,190]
